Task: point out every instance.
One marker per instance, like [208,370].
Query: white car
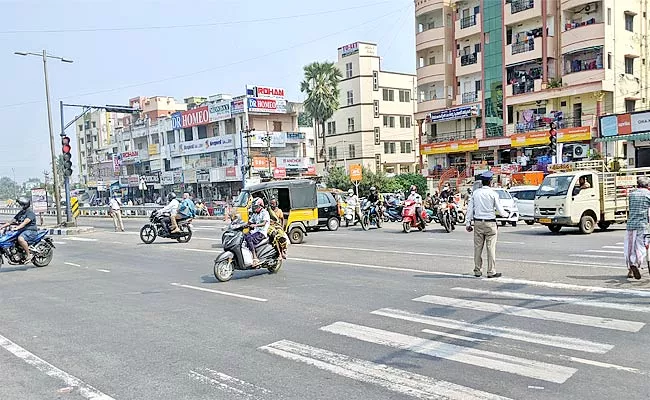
[525,199]
[509,205]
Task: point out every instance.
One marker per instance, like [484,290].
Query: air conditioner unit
[580,151]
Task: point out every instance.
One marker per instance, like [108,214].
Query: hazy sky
[241,42]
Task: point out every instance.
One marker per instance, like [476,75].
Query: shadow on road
[238,275]
[13,269]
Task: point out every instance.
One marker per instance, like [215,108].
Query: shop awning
[634,136]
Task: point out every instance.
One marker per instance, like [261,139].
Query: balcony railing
[469,97]
[584,64]
[521,5]
[468,21]
[468,59]
[522,47]
[451,136]
[525,86]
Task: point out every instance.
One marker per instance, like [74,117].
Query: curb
[71,231]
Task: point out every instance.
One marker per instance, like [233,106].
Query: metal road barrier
[102,211]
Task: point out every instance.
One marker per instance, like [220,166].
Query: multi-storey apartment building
[374,125]
[493,74]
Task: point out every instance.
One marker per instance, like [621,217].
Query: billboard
[220,110]
[195,117]
[265,92]
[261,105]
[237,106]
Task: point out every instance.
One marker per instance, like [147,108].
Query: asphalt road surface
[351,315]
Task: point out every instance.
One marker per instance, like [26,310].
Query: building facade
[493,76]
[374,125]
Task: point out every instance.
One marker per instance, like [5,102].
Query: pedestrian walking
[481,211]
[637,227]
[115,206]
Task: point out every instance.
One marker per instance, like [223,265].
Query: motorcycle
[42,248]
[369,215]
[409,218]
[351,216]
[155,228]
[237,256]
[431,216]
[393,214]
[445,217]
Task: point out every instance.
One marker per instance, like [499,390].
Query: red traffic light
[65,144]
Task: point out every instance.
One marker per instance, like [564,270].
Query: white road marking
[563,342]
[396,380]
[421,271]
[536,387]
[117,242]
[84,389]
[452,336]
[481,358]
[620,243]
[103,270]
[569,286]
[613,247]
[229,384]
[72,264]
[201,250]
[594,256]
[591,264]
[82,239]
[241,296]
[576,319]
[580,301]
[606,251]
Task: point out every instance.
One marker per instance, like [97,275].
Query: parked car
[329,212]
[509,205]
[525,200]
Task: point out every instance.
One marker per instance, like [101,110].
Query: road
[351,315]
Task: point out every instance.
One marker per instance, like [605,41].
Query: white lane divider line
[576,319]
[569,286]
[82,388]
[241,296]
[580,301]
[102,270]
[606,251]
[201,250]
[613,247]
[591,264]
[594,256]
[81,239]
[74,265]
[393,379]
[420,271]
[228,383]
[563,342]
[467,355]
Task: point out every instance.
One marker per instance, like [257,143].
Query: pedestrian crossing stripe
[74,207]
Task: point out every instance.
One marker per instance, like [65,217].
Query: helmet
[414,188]
[373,189]
[24,202]
[171,196]
[350,192]
[258,204]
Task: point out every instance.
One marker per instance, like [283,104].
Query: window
[94,124]
[81,127]
[477,86]
[629,22]
[404,96]
[155,139]
[331,152]
[609,60]
[477,48]
[348,70]
[140,146]
[215,130]
[377,162]
[389,147]
[630,105]
[375,108]
[405,146]
[375,81]
[404,121]
[171,139]
[629,65]
[331,128]
[389,121]
[352,151]
[377,136]
[511,112]
[350,97]
[188,134]
[389,95]
[203,132]
[350,124]
[277,126]
[609,16]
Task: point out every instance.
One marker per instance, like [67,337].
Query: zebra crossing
[537,340]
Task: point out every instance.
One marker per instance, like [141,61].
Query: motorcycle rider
[377,199]
[415,197]
[25,222]
[447,194]
[172,209]
[259,221]
[186,209]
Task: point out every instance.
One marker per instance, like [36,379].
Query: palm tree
[321,85]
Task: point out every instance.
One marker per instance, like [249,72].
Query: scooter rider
[171,208]
[415,197]
[377,199]
[26,222]
[259,221]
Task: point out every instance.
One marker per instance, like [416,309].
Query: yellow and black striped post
[74,207]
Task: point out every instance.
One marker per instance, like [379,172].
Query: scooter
[409,218]
[393,214]
[237,256]
[351,216]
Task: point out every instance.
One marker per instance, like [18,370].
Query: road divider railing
[103,211]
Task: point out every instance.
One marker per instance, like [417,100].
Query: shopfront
[633,128]
[532,149]
[455,154]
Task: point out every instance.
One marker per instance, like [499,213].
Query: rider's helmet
[351,192]
[171,196]
[414,189]
[24,202]
[373,189]
[258,204]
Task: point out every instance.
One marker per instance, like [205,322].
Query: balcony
[521,10]
[468,97]
[468,64]
[567,4]
[583,37]
[431,73]
[519,87]
[430,38]
[425,6]
[528,50]
[468,26]
[581,77]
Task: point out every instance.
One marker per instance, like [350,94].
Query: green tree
[305,120]
[9,189]
[404,182]
[338,179]
[321,85]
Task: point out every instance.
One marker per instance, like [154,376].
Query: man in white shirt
[115,206]
[481,210]
[172,209]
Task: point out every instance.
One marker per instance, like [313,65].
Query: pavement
[351,315]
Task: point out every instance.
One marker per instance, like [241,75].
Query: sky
[123,49]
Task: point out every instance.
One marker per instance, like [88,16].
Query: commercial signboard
[178,176]
[116,163]
[153,149]
[452,114]
[220,110]
[279,172]
[640,122]
[265,92]
[152,178]
[356,172]
[189,176]
[540,138]
[209,145]
[311,170]
[130,157]
[124,181]
[237,106]
[579,134]
[621,124]
[460,146]
[195,117]
[167,178]
[292,162]
[203,176]
[294,137]
[231,172]
[260,105]
[349,49]
[177,120]
[39,200]
[259,139]
[263,162]
[134,180]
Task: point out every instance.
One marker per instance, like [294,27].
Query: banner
[259,139]
[279,173]
[237,106]
[264,92]
[152,178]
[452,114]
[130,157]
[153,149]
[39,200]
[189,176]
[263,162]
[133,180]
[580,134]
[461,146]
[203,176]
[311,170]
[274,106]
[195,117]
[220,110]
[208,145]
[292,162]
[167,178]
[540,138]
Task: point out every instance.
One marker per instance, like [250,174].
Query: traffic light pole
[66,179]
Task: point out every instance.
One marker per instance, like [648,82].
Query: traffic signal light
[67,156]
[553,136]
